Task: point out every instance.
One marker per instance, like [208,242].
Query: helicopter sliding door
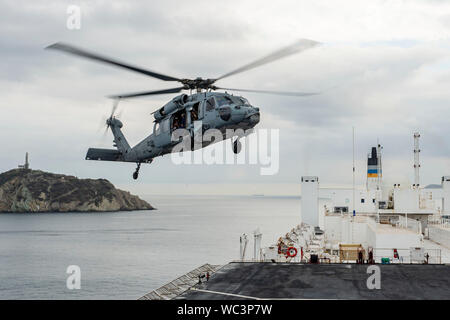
[196,127]
[209,114]
[195,112]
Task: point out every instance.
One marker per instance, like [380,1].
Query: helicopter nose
[254,119]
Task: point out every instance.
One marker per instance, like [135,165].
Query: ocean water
[124,255]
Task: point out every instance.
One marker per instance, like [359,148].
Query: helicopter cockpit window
[239,100]
[210,103]
[222,100]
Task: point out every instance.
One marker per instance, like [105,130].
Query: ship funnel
[374,171]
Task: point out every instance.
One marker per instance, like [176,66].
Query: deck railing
[401,256]
[442,222]
[380,255]
[400,221]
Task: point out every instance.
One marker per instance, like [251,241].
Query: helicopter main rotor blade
[147,93]
[93,56]
[301,45]
[283,93]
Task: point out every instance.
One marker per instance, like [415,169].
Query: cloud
[383,68]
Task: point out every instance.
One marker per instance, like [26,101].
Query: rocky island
[26,190]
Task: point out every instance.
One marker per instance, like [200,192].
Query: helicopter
[206,106]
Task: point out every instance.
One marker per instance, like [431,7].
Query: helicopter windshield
[239,100]
[221,100]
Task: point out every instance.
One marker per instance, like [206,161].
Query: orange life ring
[291,252]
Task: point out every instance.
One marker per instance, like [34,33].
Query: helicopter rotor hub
[197,83]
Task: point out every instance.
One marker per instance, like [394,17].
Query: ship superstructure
[389,224]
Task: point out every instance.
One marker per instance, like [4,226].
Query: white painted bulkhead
[310,200]
[446,195]
[345,229]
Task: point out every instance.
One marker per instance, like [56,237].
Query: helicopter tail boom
[120,142]
[122,153]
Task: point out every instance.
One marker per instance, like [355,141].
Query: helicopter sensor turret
[171,106]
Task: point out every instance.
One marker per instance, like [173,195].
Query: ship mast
[354,204]
[416,159]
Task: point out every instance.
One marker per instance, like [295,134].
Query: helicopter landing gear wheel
[237,146]
[136,173]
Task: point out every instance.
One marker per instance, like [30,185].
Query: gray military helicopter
[216,110]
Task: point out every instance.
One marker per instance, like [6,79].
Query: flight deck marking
[228,294]
[249,297]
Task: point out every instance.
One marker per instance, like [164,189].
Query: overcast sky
[383,67]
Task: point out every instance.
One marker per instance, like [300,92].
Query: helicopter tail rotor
[113,111]
[107,120]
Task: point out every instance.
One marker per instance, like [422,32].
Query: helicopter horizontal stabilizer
[103,154]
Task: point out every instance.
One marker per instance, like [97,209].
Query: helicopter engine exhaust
[174,104]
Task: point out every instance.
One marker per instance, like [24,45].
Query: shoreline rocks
[32,191]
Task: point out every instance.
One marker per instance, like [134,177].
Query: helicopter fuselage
[189,114]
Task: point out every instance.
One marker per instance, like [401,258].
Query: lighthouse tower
[26,165]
